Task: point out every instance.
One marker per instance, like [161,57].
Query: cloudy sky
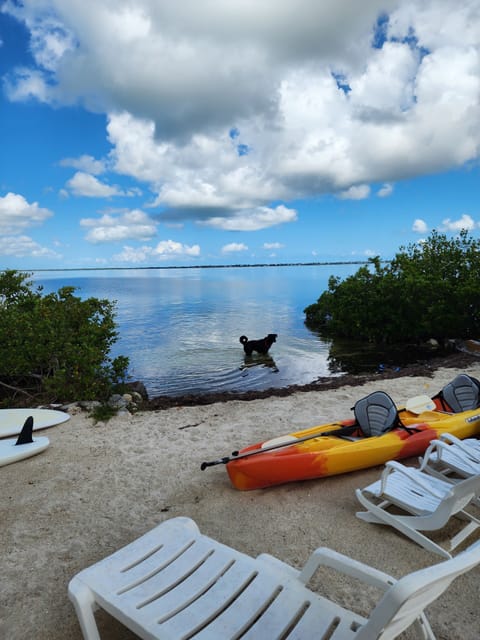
[157,133]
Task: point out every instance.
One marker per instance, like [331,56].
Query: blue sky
[208,132]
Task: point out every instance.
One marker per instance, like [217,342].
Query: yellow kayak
[308,454]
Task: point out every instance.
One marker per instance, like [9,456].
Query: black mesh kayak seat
[376,414]
[461,394]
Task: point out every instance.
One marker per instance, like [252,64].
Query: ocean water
[180,328]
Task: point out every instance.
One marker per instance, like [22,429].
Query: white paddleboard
[9,452]
[12,420]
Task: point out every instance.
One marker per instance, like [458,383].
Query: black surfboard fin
[25,436]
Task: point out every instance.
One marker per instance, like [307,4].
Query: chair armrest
[435,445]
[344,564]
[447,437]
[419,478]
[457,450]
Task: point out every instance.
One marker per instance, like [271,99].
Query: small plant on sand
[55,347]
[103,413]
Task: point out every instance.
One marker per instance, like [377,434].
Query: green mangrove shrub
[429,290]
[55,347]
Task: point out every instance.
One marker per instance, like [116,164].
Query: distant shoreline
[204,266]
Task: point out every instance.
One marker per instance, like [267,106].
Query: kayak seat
[376,414]
[461,394]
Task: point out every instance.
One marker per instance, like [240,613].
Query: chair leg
[376,514]
[465,532]
[85,605]
[423,628]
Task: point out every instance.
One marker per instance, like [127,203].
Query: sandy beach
[97,487]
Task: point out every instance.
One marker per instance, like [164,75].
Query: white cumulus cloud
[465,222]
[17,214]
[385,191]
[130,225]
[85,164]
[170,247]
[234,247]
[356,192]
[163,250]
[84,184]
[261,218]
[273,245]
[419,226]
[22,246]
[224,108]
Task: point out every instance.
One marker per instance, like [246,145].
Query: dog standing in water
[260,346]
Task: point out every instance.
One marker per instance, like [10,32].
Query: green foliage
[429,290]
[103,413]
[55,347]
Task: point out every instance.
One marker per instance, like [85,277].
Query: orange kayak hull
[324,456]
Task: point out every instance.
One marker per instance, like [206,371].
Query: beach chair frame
[174,582]
[428,501]
[448,456]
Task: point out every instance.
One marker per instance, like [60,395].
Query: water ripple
[180,328]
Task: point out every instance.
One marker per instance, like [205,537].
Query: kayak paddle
[279,443]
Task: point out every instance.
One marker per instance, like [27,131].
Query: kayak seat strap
[461,394]
[376,414]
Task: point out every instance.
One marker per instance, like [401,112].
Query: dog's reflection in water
[259,361]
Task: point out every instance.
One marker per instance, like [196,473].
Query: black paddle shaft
[344,430]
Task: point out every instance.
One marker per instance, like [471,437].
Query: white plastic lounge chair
[429,502]
[174,582]
[452,459]
[449,456]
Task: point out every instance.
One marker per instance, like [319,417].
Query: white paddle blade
[275,442]
[419,404]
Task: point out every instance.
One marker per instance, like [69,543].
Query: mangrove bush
[429,290]
[55,347]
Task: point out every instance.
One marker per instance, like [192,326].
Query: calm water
[180,327]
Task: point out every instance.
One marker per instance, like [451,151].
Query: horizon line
[200,266]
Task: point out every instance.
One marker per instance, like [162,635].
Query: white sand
[98,487]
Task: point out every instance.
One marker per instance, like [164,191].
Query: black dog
[260,346]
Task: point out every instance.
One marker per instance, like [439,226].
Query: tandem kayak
[307,454]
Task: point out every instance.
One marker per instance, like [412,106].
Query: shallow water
[180,328]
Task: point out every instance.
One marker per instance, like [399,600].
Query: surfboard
[23,446]
[12,420]
[10,452]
